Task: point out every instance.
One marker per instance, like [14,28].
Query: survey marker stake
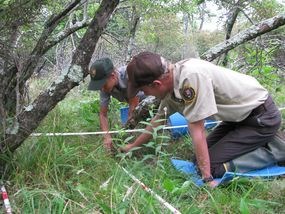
[5,198]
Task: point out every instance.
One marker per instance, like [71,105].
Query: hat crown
[101,69]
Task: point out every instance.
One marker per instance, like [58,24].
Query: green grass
[66,174]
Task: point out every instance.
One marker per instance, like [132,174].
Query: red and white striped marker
[5,198]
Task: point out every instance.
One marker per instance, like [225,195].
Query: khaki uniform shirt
[202,89]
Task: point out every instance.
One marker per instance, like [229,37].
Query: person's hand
[108,144]
[212,184]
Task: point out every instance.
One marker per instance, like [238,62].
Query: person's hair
[143,69]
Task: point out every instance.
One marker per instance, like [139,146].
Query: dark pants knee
[217,170]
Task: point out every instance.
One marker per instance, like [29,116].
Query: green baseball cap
[99,72]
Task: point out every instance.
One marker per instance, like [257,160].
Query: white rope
[117,131]
[149,190]
[110,132]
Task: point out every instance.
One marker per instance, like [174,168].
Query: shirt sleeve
[198,93]
[104,99]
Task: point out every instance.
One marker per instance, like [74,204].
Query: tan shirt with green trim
[202,89]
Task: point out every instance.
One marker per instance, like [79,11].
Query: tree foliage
[18,120]
[61,38]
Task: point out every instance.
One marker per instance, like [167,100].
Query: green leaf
[168,185]
[243,207]
[128,139]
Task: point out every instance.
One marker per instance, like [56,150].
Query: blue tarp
[190,168]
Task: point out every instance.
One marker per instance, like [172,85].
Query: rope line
[117,131]
[111,132]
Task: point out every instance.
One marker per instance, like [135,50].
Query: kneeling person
[199,89]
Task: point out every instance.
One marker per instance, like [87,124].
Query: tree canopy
[61,38]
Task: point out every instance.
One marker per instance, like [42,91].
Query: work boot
[272,153]
[277,146]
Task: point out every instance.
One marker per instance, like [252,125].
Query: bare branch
[114,36]
[64,34]
[249,19]
[55,19]
[39,50]
[229,27]
[244,36]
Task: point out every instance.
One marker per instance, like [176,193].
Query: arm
[103,116]
[133,102]
[201,149]
[144,137]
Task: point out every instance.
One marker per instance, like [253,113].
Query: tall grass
[76,175]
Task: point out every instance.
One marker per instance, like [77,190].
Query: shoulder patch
[188,94]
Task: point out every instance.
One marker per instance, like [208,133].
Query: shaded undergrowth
[74,174]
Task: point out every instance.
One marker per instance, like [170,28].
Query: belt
[261,108]
[258,110]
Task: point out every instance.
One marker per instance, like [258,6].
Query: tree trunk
[30,117]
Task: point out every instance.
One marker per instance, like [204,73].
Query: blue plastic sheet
[178,119]
[190,169]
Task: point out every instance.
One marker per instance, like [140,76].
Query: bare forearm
[143,138]
[203,160]
[133,102]
[201,149]
[147,135]
[104,124]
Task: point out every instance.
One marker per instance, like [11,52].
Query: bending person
[111,82]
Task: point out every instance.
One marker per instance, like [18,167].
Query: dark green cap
[99,72]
